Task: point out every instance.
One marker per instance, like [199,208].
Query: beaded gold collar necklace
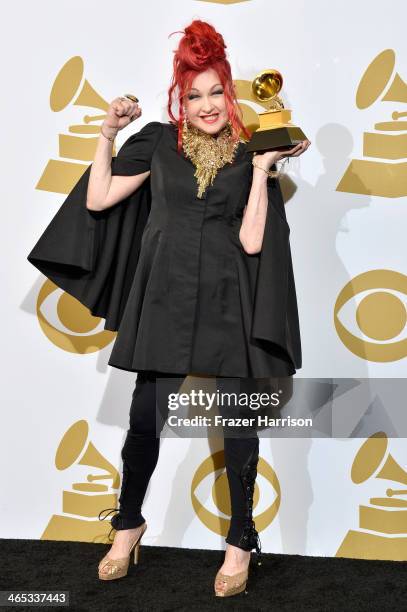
[208,153]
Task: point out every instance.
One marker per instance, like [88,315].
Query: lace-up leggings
[140,455]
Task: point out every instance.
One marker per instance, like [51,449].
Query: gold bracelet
[270,173]
[111,138]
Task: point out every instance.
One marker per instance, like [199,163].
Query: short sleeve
[134,156]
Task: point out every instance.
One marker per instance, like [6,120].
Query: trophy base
[280,138]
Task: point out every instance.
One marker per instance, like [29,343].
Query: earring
[229,127]
[185,122]
[184,111]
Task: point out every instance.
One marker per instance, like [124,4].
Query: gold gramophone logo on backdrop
[220,494]
[381,315]
[70,88]
[385,518]
[81,504]
[384,174]
[68,324]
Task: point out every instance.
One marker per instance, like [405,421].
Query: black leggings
[140,455]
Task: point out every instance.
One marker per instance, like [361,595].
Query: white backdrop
[322,50]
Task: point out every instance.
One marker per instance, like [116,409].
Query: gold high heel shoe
[118,568]
[234,584]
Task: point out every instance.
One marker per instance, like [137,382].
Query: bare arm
[105,190]
[254,217]
[255,212]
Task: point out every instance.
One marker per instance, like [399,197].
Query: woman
[181,244]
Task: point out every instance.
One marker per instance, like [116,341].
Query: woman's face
[206,98]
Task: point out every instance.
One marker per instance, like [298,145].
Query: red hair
[200,48]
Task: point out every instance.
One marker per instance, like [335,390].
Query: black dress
[168,272]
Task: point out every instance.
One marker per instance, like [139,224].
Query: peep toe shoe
[234,584]
[118,568]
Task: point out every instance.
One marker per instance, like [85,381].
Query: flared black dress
[167,271]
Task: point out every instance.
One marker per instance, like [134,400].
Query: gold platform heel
[234,584]
[118,568]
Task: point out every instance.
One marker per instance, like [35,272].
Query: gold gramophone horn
[377,77]
[66,85]
[267,84]
[73,449]
[370,457]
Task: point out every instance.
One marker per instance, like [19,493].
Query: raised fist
[120,113]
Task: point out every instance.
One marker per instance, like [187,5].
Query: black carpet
[182,579]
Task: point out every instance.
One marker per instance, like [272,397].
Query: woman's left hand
[268,158]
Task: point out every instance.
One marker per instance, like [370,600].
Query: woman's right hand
[120,113]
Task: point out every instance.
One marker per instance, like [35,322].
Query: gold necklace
[208,153]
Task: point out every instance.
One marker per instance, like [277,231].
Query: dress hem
[165,370]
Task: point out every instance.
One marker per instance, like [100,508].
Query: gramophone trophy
[276,130]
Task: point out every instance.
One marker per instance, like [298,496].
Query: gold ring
[131,97]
